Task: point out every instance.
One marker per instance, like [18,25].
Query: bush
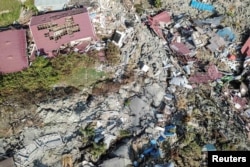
[39,75]
[124,133]
[12,8]
[29,4]
[88,132]
[97,150]
[138,8]
[43,74]
[112,54]
[157,3]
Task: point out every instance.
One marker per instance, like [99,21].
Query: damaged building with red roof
[13,56]
[52,30]
[159,21]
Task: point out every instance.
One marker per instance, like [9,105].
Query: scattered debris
[181,83]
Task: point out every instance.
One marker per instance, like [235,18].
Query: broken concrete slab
[155,93]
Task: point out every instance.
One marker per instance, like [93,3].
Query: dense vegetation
[9,11]
[72,70]
[29,5]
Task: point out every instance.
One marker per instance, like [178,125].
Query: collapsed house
[52,30]
[13,47]
[29,153]
[159,21]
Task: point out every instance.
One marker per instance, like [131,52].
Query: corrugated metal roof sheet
[227,34]
[162,17]
[202,6]
[50,5]
[13,51]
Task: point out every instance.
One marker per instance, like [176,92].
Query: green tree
[157,3]
[97,150]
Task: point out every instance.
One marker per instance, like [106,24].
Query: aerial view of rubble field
[123,83]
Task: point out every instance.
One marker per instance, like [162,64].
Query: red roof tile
[13,51]
[162,17]
[211,75]
[61,21]
[246,48]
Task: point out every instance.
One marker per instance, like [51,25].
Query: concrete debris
[156,93]
[28,154]
[183,80]
[114,162]
[179,81]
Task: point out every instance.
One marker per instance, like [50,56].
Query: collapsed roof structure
[159,21]
[13,51]
[52,30]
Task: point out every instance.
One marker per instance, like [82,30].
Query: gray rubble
[160,96]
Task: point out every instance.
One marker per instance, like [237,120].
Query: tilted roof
[52,30]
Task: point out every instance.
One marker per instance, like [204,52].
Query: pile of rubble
[189,94]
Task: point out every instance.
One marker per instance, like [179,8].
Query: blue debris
[209,147]
[170,127]
[147,151]
[227,34]
[202,6]
[135,163]
[153,142]
[169,134]
[168,130]
[161,139]
[155,153]
[142,156]
[153,150]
